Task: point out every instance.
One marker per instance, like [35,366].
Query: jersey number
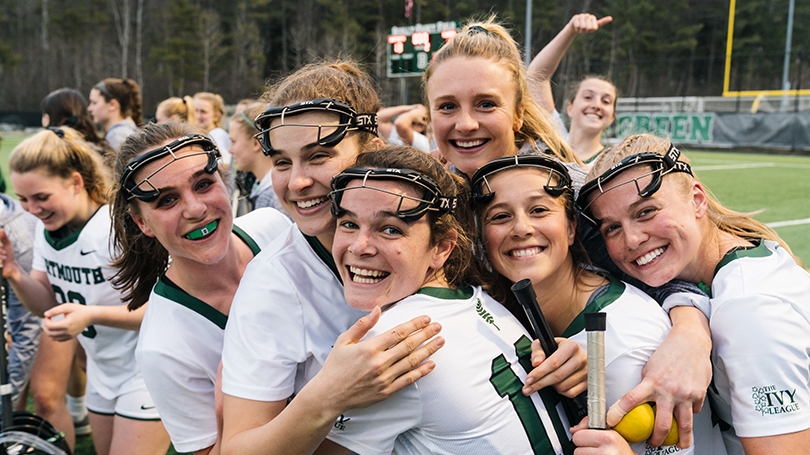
[508,384]
[74,297]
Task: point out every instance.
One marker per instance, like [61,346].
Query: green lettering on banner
[680,127]
[702,131]
[642,124]
[662,125]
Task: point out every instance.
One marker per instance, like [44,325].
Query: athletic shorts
[135,404]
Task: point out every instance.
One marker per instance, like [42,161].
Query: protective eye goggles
[659,167]
[328,135]
[144,189]
[559,181]
[431,201]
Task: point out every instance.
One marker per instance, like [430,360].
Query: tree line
[232,47]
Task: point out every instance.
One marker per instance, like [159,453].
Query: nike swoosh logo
[147,408]
[85,253]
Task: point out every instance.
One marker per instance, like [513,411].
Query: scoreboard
[411,48]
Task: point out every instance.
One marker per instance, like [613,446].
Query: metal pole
[527,47]
[786,65]
[403,91]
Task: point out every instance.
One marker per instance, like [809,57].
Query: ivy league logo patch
[770,401]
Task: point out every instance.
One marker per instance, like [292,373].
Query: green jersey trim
[59,244]
[615,290]
[325,255]
[758,251]
[462,293]
[168,289]
[593,158]
[245,237]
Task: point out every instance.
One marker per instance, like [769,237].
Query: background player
[60,179]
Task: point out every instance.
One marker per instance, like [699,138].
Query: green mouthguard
[197,234]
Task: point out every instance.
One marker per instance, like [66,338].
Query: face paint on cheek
[202,232]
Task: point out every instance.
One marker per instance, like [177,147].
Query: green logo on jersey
[78,275]
[770,401]
[479,308]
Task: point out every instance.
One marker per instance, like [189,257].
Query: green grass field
[777,187]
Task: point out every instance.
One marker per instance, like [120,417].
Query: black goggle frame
[482,193]
[432,200]
[660,165]
[133,189]
[348,120]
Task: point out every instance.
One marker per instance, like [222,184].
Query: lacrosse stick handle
[575,408]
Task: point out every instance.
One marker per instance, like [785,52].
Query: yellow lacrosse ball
[637,425]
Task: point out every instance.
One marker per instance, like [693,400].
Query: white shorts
[135,404]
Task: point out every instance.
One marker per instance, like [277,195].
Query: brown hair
[183,108]
[342,80]
[60,152]
[490,40]
[739,224]
[457,268]
[68,107]
[217,103]
[497,285]
[140,259]
[127,93]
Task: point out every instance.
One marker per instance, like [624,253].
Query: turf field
[775,186]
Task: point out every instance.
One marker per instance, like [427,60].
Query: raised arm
[406,121]
[545,63]
[356,374]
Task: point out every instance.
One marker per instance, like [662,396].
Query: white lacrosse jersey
[472,402]
[79,270]
[286,315]
[760,323]
[180,345]
[636,326]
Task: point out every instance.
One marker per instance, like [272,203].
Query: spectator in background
[248,158]
[176,108]
[68,107]
[210,110]
[590,102]
[243,103]
[115,105]
[405,125]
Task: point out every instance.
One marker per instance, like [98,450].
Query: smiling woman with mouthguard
[172,202]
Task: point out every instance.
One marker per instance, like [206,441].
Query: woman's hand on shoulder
[360,373]
[566,369]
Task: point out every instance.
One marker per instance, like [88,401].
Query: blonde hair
[739,224]
[183,108]
[217,103]
[60,152]
[490,40]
